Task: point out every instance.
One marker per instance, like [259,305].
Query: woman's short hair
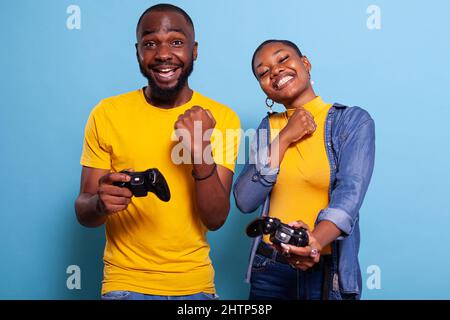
[285,42]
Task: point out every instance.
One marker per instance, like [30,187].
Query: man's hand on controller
[112,199]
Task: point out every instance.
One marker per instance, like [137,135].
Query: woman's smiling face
[282,74]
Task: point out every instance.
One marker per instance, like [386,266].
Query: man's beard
[167,94]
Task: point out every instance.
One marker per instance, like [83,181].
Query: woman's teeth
[282,81]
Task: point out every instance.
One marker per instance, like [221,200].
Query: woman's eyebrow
[276,52]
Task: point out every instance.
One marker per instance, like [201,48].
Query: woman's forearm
[277,149]
[325,233]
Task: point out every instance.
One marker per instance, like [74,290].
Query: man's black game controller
[143,182]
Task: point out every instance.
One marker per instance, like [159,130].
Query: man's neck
[182,97]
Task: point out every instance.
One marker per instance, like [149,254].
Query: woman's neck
[301,100]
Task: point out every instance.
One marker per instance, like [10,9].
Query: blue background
[53,76]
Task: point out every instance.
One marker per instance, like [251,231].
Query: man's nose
[163,53]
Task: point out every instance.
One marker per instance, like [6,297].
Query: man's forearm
[87,211]
[213,201]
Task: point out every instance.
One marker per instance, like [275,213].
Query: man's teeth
[283,81]
[166,73]
[165,70]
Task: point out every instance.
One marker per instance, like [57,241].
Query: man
[156,249]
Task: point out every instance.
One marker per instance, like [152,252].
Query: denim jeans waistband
[267,251]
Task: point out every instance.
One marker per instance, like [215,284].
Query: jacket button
[329,144]
[333,166]
[255,178]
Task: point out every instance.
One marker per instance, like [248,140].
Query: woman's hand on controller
[302,258]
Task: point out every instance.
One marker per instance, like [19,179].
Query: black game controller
[279,232]
[143,182]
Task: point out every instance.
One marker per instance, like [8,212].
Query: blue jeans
[273,280]
[130,295]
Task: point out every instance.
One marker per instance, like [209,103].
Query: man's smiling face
[166,51]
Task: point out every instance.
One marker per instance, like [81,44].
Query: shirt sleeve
[225,141]
[95,151]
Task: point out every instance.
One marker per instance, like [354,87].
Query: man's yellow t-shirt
[155,247]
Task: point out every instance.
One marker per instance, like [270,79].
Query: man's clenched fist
[194,129]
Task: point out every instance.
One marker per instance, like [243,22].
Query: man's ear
[137,53]
[195,51]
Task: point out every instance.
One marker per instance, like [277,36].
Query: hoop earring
[269,104]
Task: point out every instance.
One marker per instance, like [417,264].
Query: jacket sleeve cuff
[340,218]
[262,164]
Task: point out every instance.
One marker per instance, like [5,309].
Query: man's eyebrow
[179,30]
[147,32]
[278,51]
[150,31]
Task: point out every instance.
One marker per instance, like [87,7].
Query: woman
[313,167]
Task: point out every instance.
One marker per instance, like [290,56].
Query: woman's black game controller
[143,182]
[278,231]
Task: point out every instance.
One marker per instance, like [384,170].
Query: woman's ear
[306,63]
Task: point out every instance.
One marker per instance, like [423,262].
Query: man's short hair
[285,42]
[165,7]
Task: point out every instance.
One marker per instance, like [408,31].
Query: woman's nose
[276,71]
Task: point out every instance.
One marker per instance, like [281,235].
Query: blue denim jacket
[350,146]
